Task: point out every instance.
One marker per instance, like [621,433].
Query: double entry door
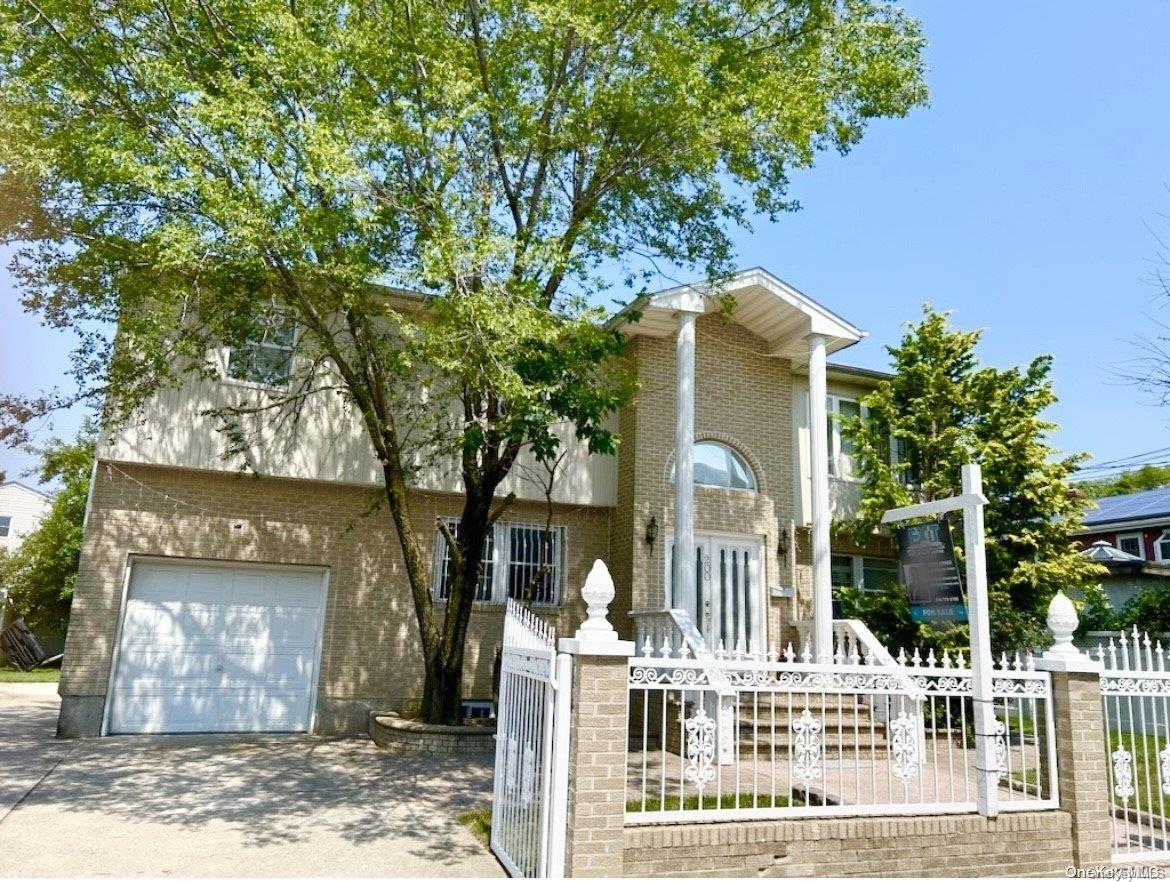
[729,608]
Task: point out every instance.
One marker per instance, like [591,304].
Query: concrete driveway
[225,805]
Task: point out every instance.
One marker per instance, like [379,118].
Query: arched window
[717,465]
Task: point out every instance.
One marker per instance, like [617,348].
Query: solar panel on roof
[1131,507]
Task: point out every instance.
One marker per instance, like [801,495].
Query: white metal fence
[529,800]
[752,736]
[1135,698]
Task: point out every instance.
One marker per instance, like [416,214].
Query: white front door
[209,647]
[730,587]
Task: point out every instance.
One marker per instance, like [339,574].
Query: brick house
[211,601]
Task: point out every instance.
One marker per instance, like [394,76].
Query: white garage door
[211,648]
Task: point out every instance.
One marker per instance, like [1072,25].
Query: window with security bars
[446,565]
[520,561]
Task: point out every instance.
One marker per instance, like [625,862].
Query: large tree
[942,409]
[189,168]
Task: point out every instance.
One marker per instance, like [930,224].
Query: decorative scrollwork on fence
[1164,768]
[806,748]
[999,747]
[1155,686]
[904,746]
[511,766]
[528,775]
[1123,774]
[700,769]
[1008,686]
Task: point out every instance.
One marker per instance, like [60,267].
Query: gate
[529,799]
[1135,697]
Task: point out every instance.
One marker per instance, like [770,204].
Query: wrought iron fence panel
[763,736]
[1135,702]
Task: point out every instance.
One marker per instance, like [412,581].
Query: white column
[684,467]
[819,460]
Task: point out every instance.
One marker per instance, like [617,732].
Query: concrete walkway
[227,806]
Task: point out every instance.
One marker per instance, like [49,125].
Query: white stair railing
[672,632]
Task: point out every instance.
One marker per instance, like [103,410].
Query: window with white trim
[858,571]
[267,359]
[5,525]
[1131,543]
[520,561]
[841,449]
[1162,547]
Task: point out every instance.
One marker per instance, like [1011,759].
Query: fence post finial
[1062,622]
[598,592]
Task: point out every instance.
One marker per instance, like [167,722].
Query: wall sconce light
[651,530]
[782,544]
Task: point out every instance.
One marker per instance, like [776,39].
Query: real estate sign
[928,571]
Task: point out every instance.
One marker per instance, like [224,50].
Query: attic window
[717,465]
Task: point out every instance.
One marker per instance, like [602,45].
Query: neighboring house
[1138,526]
[211,601]
[1136,523]
[1128,574]
[21,511]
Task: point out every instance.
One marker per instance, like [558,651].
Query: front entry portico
[798,333]
[729,591]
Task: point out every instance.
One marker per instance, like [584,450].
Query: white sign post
[971,502]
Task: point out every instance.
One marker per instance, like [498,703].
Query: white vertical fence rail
[1135,698]
[530,791]
[843,738]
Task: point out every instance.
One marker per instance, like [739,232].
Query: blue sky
[1025,198]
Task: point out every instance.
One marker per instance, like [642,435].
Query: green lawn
[42,675]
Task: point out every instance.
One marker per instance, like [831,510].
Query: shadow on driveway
[260,805]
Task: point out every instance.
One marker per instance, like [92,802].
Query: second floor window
[5,525]
[267,359]
[520,561]
[841,449]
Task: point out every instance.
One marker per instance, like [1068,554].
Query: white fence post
[987,785]
[559,800]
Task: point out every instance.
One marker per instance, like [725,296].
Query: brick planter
[391,732]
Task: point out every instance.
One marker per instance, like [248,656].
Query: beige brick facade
[1019,844]
[370,652]
[744,398]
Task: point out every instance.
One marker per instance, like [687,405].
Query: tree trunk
[443,685]
[442,698]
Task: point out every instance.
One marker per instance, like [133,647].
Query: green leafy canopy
[945,409]
[186,167]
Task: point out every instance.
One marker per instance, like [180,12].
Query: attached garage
[211,647]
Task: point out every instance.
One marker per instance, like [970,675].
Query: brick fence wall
[1019,844]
